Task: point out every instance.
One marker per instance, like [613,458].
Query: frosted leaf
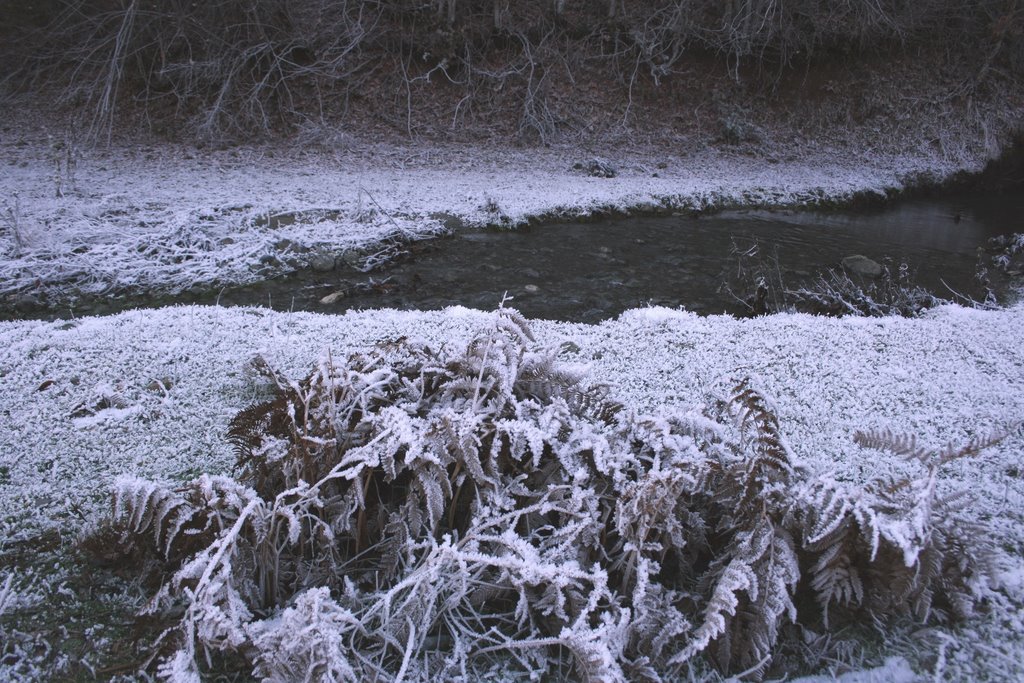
[179,668]
[308,641]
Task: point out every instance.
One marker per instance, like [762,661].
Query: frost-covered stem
[541,508]
[384,604]
[14,223]
[521,644]
[928,500]
[7,594]
[398,229]
[360,401]
[407,657]
[332,404]
[634,555]
[752,670]
[335,472]
[305,398]
[226,540]
[108,98]
[480,376]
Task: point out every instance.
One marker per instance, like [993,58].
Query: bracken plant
[415,515]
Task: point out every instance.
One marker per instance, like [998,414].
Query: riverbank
[156,219]
[150,393]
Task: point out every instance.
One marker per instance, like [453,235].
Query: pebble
[332,297]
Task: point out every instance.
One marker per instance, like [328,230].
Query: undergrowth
[228,68]
[1001,266]
[757,284]
[416,514]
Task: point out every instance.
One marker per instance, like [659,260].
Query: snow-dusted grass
[150,394]
[163,219]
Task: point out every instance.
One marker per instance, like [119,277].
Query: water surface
[587,272]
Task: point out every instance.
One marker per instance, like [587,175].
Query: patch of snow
[106,415]
[894,670]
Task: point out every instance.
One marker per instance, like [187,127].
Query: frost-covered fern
[414,515]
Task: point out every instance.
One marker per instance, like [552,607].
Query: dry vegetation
[416,514]
[757,284]
[538,69]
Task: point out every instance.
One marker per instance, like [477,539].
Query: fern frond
[760,425]
[836,575]
[903,445]
[659,621]
[594,403]
[977,444]
[312,636]
[145,508]
[515,323]
[595,662]
[753,631]
[737,580]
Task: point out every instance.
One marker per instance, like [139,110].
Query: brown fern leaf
[970,556]
[659,623]
[977,444]
[593,403]
[515,323]
[731,580]
[248,428]
[753,631]
[143,508]
[903,445]
[895,588]
[593,661]
[760,425]
[542,377]
[395,537]
[837,575]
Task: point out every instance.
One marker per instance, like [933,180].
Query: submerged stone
[321,262]
[863,266]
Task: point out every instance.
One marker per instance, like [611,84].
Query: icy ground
[133,220]
[150,393]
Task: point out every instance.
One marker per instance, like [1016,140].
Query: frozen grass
[115,246]
[150,394]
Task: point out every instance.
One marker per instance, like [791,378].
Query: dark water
[592,271]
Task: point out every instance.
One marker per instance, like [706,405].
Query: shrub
[418,514]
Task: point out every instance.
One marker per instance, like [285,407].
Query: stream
[587,272]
